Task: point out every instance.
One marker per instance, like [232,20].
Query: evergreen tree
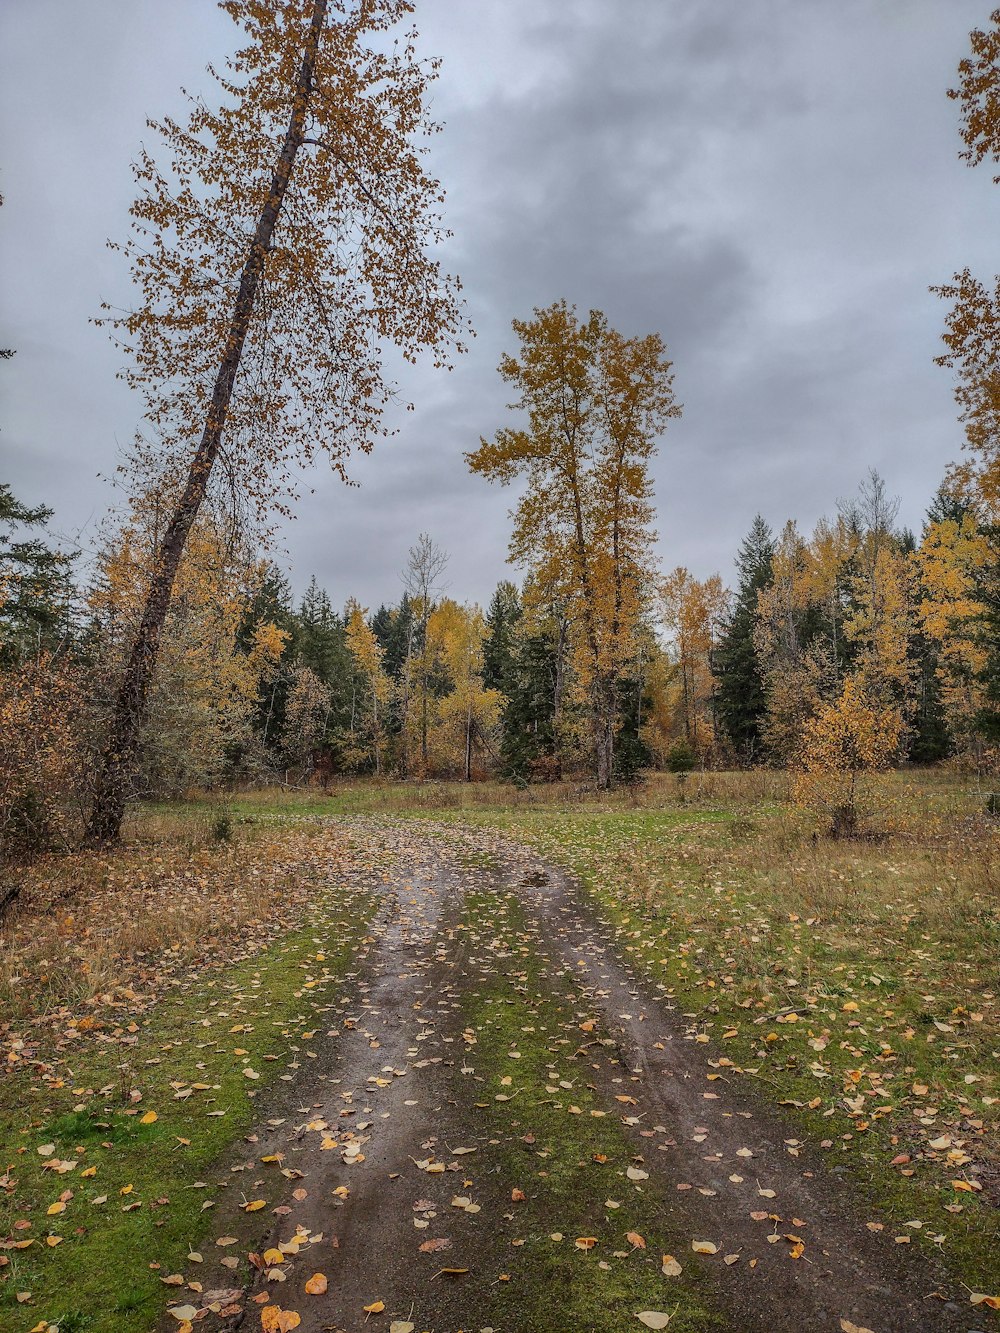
[34,580]
[528,743]
[740,702]
[501,629]
[395,627]
[272,604]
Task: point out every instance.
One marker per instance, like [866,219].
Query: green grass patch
[567,1165]
[134,1219]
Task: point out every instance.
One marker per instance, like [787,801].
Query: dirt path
[386,1164]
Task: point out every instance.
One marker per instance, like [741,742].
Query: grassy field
[854,983]
[140,1023]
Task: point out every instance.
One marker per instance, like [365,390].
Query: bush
[681,758]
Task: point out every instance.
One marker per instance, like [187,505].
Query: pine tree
[740,702]
[501,627]
[34,580]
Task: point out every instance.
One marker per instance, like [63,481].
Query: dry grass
[95,932]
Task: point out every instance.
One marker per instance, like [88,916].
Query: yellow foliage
[691,611]
[205,688]
[846,741]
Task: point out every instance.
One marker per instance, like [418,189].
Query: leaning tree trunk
[122,747]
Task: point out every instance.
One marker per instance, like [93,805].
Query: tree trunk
[122,747]
[468,744]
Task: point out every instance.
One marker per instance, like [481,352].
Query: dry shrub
[97,932]
[41,703]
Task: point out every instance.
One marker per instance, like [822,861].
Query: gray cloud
[773,188]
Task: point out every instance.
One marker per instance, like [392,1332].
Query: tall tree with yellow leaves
[972,325]
[369,714]
[949,566]
[596,402]
[465,713]
[288,241]
[691,611]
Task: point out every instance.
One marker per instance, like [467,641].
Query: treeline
[857,647]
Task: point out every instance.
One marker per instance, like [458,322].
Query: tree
[501,631]
[596,403]
[288,244]
[35,592]
[739,696]
[972,326]
[848,739]
[951,566]
[213,669]
[425,566]
[464,712]
[306,712]
[691,611]
[368,717]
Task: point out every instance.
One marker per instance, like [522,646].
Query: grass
[192,1061]
[855,982]
[566,1166]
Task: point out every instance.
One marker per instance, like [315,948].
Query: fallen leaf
[273,1319]
[670,1266]
[704,1247]
[654,1318]
[317,1284]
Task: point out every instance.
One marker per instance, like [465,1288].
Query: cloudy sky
[771,186]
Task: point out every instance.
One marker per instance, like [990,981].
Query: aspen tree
[596,403]
[287,243]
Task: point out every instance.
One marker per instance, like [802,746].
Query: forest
[836,655]
[621,951]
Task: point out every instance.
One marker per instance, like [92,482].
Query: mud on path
[420,1169]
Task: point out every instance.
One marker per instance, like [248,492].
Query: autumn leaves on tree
[288,244]
[595,403]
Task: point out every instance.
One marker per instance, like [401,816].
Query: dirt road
[498,1126]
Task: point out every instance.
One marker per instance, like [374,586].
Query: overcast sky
[772,186]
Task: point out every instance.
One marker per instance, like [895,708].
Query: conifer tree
[740,702]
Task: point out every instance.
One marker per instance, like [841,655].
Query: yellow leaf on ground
[148,1118]
[273,1319]
[316,1285]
